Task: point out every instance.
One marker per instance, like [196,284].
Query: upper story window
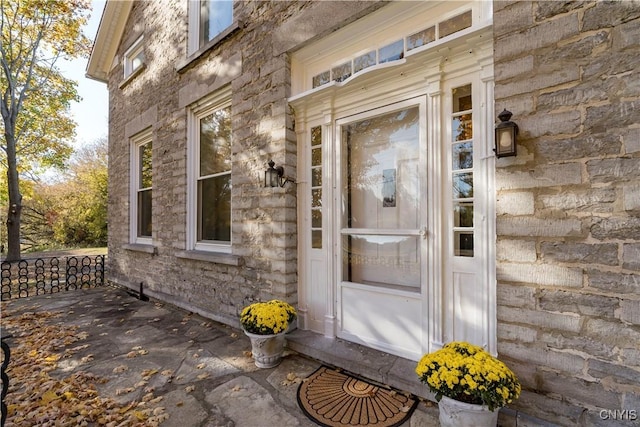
[134,57]
[141,192]
[210,174]
[207,19]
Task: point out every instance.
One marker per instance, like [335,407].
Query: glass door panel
[381,215]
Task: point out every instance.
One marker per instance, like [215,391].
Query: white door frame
[403,328]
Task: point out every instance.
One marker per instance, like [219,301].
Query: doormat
[331,398]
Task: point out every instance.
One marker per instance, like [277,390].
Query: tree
[81,217]
[35,96]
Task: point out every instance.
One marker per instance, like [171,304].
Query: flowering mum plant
[467,373]
[267,318]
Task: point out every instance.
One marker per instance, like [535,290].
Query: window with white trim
[207,19]
[141,189]
[134,57]
[210,174]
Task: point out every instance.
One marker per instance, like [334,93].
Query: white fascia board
[114,18]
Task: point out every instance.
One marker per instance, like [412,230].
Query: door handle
[423,232]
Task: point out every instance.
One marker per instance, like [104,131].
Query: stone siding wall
[569,207]
[254,60]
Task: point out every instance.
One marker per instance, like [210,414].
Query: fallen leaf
[148,373]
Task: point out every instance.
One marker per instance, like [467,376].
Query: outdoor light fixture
[274,176]
[506,132]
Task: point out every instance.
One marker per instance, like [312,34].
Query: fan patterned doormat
[332,398]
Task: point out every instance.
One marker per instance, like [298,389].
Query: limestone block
[614,371]
[540,176]
[631,197]
[609,14]
[572,302]
[520,203]
[544,34]
[630,312]
[593,199]
[585,253]
[543,274]
[550,359]
[617,228]
[631,256]
[516,296]
[620,283]
[516,250]
[631,140]
[528,226]
[541,319]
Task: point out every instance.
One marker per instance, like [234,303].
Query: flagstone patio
[102,357]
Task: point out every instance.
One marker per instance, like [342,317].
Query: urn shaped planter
[454,413]
[267,350]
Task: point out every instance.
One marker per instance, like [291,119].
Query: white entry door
[381,229]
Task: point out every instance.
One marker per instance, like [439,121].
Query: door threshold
[373,365]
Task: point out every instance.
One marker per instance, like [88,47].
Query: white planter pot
[454,413]
[267,350]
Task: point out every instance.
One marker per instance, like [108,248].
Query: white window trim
[136,48]
[193,42]
[137,140]
[205,106]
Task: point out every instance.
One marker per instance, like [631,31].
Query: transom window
[394,50]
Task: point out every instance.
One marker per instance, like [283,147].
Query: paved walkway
[186,370]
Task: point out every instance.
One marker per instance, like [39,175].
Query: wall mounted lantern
[274,176]
[506,132]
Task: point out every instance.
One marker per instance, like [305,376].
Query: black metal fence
[6,355]
[39,276]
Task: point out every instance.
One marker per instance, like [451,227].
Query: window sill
[137,247]
[215,257]
[182,65]
[132,76]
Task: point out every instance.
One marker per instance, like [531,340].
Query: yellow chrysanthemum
[467,372]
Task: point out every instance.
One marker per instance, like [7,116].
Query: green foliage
[35,98]
[72,211]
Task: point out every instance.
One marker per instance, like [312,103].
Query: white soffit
[114,18]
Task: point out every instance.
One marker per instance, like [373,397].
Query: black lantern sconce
[506,132]
[274,176]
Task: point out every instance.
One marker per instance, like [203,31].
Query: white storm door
[382,164]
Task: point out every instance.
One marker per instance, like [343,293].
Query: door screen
[381,200]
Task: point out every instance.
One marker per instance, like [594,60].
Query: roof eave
[112,23]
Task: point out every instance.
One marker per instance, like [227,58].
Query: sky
[91,114]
